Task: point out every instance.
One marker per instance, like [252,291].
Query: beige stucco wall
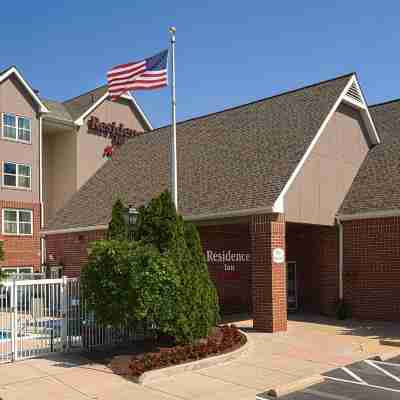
[59,169]
[90,147]
[321,185]
[14,100]
[72,155]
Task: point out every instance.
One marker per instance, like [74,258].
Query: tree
[2,273]
[159,224]
[117,228]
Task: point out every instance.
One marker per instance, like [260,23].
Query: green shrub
[160,277]
[343,310]
[197,310]
[125,282]
[117,228]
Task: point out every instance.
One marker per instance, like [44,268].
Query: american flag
[147,74]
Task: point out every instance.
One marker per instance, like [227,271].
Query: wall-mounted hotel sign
[117,133]
[230,261]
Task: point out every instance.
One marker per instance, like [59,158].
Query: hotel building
[296,198]
[48,151]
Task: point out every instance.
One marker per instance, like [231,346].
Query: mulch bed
[223,339]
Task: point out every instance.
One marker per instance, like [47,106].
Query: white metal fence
[48,315]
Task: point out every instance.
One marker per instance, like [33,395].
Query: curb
[168,372]
[388,342]
[387,356]
[288,388]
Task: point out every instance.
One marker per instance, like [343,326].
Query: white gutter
[75,230]
[228,214]
[199,217]
[369,215]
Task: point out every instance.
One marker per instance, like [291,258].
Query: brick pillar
[268,278]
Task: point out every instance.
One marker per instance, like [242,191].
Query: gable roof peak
[13,70]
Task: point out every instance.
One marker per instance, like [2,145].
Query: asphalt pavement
[364,380]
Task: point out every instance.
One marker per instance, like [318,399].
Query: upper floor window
[17,175]
[17,128]
[17,222]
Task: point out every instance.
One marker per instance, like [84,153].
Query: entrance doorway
[291,284]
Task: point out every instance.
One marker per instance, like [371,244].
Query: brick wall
[315,250]
[371,267]
[22,250]
[268,278]
[70,250]
[232,279]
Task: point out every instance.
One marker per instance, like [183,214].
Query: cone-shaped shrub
[196,311]
[117,228]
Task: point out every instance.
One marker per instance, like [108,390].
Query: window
[17,222]
[18,272]
[24,129]
[17,128]
[17,175]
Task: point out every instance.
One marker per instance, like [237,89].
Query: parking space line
[363,384]
[372,364]
[389,364]
[353,375]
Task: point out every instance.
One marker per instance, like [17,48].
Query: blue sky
[228,52]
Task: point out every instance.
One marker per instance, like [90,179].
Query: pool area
[4,335]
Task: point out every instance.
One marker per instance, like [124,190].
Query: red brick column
[268,278]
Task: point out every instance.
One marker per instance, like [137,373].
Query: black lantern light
[132,215]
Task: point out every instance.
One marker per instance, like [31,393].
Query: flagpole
[174,174]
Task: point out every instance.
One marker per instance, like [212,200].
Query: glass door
[291,286]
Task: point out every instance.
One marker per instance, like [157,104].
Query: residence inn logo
[227,256]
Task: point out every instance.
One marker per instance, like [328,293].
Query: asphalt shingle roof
[377,184]
[57,110]
[72,109]
[232,160]
[80,104]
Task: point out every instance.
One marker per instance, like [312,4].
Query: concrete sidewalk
[311,346]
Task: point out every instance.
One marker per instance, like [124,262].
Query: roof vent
[354,93]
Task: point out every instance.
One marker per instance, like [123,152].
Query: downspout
[340,259]
[42,243]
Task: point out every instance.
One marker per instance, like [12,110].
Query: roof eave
[395,212]
[193,218]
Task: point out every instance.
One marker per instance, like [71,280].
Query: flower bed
[224,339]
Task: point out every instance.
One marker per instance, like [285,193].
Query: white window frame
[18,270]
[17,117]
[17,175]
[18,233]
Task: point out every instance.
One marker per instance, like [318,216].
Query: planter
[121,364]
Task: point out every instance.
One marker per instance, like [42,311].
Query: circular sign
[278,256]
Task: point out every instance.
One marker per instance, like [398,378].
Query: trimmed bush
[125,282]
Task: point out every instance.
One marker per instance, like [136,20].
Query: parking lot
[363,380]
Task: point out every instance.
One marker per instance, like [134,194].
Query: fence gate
[42,316]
